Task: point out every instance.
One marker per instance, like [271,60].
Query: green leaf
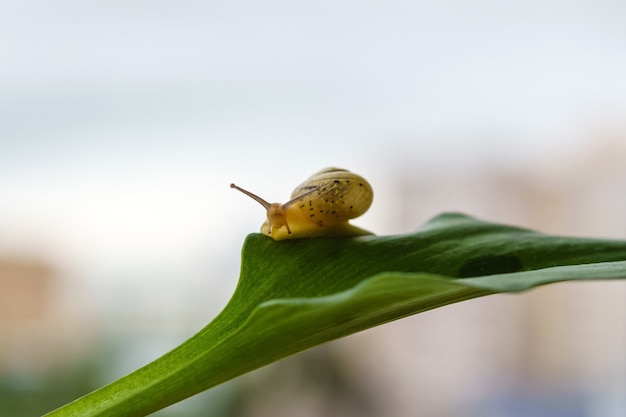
[296,294]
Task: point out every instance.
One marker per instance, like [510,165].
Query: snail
[320,206]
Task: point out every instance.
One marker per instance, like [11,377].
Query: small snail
[320,206]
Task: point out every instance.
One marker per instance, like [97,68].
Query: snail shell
[320,206]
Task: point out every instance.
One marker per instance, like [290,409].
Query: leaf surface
[296,294]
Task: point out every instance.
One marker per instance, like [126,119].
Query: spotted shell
[320,206]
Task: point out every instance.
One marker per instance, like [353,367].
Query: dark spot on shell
[336,181]
[302,205]
[351,207]
[360,184]
[490,265]
[312,215]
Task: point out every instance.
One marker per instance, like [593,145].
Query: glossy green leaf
[296,294]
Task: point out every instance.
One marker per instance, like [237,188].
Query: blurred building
[26,314]
[45,345]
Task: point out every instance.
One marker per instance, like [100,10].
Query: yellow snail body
[320,206]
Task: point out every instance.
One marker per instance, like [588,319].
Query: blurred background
[123,123]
